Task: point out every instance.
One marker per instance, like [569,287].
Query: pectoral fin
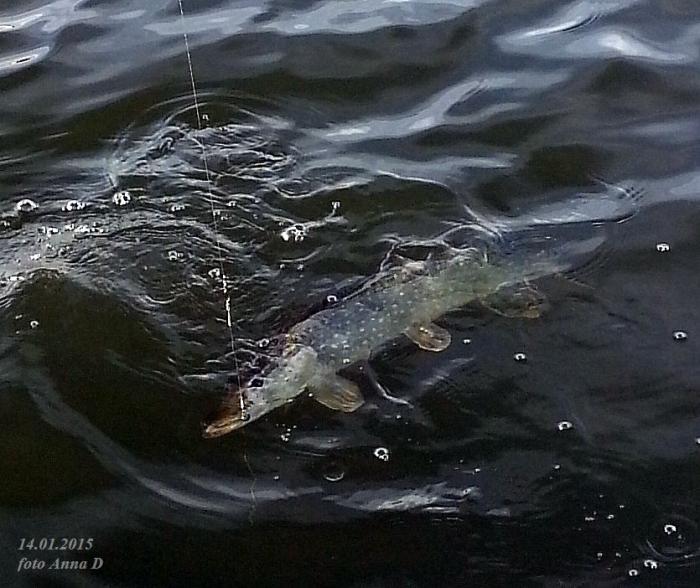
[429,336]
[337,393]
[521,301]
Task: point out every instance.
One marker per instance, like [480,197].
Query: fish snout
[223,426]
[228,417]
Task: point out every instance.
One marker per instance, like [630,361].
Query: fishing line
[224,279]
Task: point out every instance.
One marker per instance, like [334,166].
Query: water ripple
[604,42]
[574,16]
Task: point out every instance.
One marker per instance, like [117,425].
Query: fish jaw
[226,420]
[281,386]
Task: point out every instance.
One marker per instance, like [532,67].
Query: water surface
[337,133]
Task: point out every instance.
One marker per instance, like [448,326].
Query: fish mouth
[223,425]
[230,416]
[219,428]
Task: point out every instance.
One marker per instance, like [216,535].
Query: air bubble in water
[73,205]
[564,426]
[633,573]
[670,529]
[331,299]
[34,324]
[520,356]
[381,453]
[651,564]
[174,255]
[214,273]
[680,335]
[663,247]
[474,493]
[297,233]
[26,205]
[177,208]
[334,473]
[121,198]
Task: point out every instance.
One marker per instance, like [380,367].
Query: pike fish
[402,302]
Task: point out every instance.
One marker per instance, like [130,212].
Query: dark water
[415,116]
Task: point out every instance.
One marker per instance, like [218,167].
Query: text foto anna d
[63,561]
[59,563]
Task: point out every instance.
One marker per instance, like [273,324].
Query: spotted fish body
[382,311]
[403,301]
[415,294]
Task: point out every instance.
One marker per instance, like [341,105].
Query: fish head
[262,394]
